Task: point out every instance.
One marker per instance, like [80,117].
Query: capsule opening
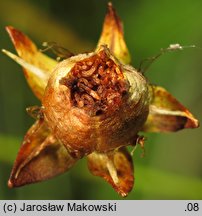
[97,84]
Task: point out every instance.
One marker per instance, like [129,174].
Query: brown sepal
[37,61]
[40,157]
[166,114]
[115,167]
[112,35]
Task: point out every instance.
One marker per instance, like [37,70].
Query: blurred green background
[171,168]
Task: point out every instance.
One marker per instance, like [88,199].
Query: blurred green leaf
[158,184]
[47,28]
[9,148]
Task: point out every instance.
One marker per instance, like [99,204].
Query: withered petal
[166,114]
[112,35]
[40,157]
[115,167]
[37,66]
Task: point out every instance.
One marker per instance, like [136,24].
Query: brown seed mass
[97,84]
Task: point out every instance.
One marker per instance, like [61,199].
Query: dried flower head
[93,105]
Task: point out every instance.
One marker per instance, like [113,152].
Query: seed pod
[94,103]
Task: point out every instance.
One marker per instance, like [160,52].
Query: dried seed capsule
[89,116]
